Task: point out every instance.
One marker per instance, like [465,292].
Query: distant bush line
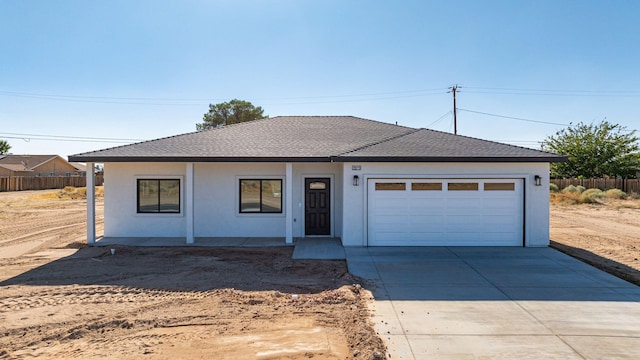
[626,185]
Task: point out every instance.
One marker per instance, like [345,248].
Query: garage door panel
[391,237]
[425,221]
[506,220]
[469,237]
[391,204]
[435,216]
[471,222]
[463,203]
[424,238]
[426,206]
[499,203]
[391,222]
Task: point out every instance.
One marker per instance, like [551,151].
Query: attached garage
[445,212]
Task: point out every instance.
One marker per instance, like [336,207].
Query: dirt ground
[61,299]
[604,235]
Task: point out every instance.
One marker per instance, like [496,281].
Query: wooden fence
[18,183]
[626,185]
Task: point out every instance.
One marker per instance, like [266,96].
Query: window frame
[159,213]
[261,213]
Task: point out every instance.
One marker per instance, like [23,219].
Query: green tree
[595,150]
[4,147]
[232,112]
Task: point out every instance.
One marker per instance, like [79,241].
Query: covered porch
[188,210]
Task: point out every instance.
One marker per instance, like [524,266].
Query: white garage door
[445,212]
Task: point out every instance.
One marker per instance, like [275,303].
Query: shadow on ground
[613,267]
[189,269]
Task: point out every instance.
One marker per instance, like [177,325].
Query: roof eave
[106,159]
[479,159]
[484,159]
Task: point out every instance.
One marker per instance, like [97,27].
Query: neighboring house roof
[24,162]
[316,138]
[78,166]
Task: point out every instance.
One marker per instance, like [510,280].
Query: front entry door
[317,207]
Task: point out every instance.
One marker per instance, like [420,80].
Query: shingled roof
[24,162]
[316,138]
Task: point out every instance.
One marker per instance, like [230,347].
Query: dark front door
[317,208]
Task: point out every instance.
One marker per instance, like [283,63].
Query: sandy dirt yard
[61,299]
[604,235]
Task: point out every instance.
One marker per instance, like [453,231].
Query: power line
[438,119]
[551,92]
[198,101]
[514,118]
[71,137]
[28,139]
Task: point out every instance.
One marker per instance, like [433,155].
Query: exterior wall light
[356,180]
[538,180]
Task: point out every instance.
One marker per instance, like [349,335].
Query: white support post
[188,206]
[288,198]
[91,204]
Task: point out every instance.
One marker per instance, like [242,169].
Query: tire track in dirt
[26,237]
[29,224]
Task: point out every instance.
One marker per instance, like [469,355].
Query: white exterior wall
[215,200]
[120,209]
[536,203]
[216,197]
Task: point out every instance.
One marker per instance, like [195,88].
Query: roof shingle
[312,138]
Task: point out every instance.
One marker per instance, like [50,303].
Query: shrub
[564,198]
[570,190]
[616,194]
[553,187]
[591,196]
[581,188]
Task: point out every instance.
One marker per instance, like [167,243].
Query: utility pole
[454,88]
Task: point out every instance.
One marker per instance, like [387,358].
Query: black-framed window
[260,196]
[158,196]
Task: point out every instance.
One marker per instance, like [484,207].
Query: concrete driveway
[497,303]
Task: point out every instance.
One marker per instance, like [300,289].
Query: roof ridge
[411,131]
[341,116]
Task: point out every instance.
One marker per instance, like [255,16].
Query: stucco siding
[120,213]
[216,201]
[536,203]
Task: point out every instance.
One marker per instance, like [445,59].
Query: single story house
[36,165]
[368,183]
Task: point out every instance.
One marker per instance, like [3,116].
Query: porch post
[91,203]
[288,198]
[188,206]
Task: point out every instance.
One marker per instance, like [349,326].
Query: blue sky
[149,69]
